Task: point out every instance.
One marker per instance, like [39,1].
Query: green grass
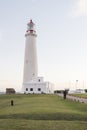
[16,124]
[41,112]
[80,95]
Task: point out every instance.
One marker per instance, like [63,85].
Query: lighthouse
[31,82]
[30,59]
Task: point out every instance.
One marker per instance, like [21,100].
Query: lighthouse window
[26,89]
[39,89]
[31,89]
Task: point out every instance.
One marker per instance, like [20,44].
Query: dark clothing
[12,103]
[64,94]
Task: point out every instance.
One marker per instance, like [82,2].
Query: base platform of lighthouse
[38,86]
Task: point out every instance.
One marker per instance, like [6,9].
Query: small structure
[38,86]
[77,91]
[12,103]
[10,91]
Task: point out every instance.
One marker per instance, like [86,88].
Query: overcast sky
[61,26]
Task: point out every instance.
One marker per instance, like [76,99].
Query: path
[77,99]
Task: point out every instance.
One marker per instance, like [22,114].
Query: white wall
[45,87]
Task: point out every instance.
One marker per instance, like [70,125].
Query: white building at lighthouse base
[38,86]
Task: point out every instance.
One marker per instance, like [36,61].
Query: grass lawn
[41,112]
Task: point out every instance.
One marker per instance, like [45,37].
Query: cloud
[79,9]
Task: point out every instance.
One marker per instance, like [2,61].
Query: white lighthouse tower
[30,59]
[31,82]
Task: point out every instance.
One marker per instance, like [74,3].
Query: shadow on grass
[53,116]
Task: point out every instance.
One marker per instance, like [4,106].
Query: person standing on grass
[64,94]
